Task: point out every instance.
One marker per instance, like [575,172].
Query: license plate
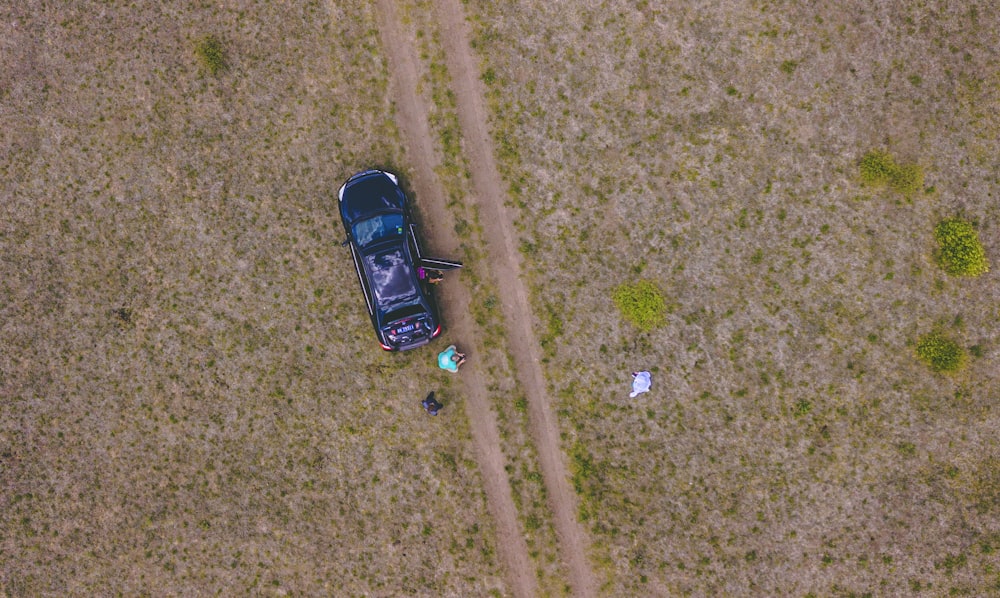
[403,329]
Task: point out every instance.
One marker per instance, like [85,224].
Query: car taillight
[385,347]
[436,332]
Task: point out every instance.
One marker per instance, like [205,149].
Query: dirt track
[412,119]
[413,123]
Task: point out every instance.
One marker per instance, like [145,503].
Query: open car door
[431,262]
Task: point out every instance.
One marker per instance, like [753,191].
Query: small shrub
[940,353]
[960,252]
[642,304]
[907,179]
[210,53]
[802,407]
[879,168]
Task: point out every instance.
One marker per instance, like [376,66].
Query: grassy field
[793,443]
[193,400]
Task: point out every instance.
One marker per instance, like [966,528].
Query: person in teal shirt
[450,359]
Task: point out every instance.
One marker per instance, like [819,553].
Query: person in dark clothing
[431,404]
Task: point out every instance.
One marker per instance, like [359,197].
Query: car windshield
[393,281]
[378,227]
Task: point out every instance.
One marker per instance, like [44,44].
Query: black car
[386,256]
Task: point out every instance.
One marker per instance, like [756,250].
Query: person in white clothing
[641,381]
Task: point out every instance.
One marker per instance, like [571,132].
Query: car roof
[393,281]
[369,195]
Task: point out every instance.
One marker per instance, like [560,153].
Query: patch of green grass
[941,353]
[586,478]
[642,304]
[960,253]
[984,489]
[788,66]
[907,179]
[211,55]
[880,168]
[802,407]
[877,167]
[952,562]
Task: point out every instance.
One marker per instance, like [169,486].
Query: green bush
[960,253]
[642,304]
[210,53]
[907,179]
[879,168]
[941,353]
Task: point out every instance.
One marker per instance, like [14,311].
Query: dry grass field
[192,398]
[192,401]
[792,444]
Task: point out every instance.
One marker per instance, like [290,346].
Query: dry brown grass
[792,443]
[193,401]
[191,396]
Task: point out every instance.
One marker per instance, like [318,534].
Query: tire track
[412,119]
[487,184]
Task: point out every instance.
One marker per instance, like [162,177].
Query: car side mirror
[345,243]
